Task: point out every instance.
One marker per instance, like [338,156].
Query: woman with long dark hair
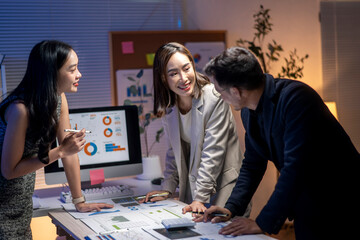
[31,117]
[204,155]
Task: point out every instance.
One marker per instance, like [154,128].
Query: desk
[73,228]
[68,226]
[76,229]
[50,198]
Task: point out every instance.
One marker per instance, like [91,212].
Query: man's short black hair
[236,67]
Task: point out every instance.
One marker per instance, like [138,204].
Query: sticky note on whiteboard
[127,47]
[97,176]
[150,58]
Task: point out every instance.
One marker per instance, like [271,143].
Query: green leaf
[140,73]
[159,134]
[140,109]
[133,89]
[131,79]
[141,129]
[147,116]
[127,102]
[146,123]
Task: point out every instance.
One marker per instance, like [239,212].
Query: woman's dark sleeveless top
[16,194]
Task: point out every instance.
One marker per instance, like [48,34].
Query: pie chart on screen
[108,132]
[107,120]
[90,149]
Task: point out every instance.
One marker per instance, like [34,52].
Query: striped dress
[16,194]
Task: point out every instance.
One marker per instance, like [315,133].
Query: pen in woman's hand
[73,130]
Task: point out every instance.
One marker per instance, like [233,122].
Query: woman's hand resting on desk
[89,207]
[195,206]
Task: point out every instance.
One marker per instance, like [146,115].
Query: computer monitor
[112,145]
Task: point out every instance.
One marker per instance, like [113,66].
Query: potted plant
[294,65]
[151,164]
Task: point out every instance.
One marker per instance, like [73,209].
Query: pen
[73,130]
[213,214]
[101,212]
[155,195]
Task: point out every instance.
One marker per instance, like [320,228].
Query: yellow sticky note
[150,58]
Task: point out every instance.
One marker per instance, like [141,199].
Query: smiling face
[69,75]
[180,75]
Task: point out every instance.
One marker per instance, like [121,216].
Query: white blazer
[215,155]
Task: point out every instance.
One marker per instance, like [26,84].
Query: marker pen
[73,130]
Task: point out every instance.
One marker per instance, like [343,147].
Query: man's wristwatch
[78,200]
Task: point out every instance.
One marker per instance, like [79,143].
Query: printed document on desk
[142,216]
[202,231]
[130,220]
[122,205]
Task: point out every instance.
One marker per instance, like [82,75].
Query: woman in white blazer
[204,155]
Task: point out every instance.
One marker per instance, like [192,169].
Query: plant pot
[151,168]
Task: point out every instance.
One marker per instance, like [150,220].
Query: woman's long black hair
[39,90]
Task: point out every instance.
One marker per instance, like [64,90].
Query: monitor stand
[87,185]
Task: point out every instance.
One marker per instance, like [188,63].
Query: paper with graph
[143,221]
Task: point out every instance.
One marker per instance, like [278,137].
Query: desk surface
[74,228]
[49,198]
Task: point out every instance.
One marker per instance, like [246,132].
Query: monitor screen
[112,145]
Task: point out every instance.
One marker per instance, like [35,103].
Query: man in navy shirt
[286,122]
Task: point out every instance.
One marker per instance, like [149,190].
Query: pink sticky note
[127,47]
[97,176]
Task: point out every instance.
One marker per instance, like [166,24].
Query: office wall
[340,48]
[85,25]
[296,25]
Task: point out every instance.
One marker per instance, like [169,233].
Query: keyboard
[100,193]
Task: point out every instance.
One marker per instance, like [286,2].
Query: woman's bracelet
[78,200]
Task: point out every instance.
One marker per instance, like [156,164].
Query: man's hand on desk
[89,207]
[213,214]
[238,226]
[194,207]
